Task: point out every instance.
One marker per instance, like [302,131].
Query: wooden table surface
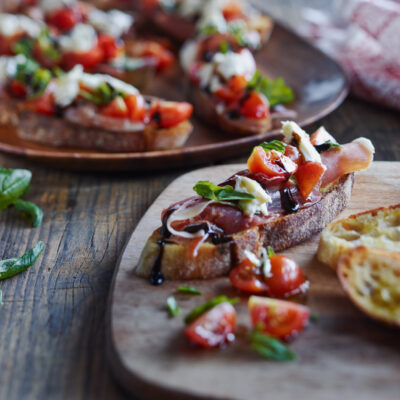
[52,331]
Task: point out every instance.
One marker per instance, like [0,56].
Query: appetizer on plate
[291,190]
[182,19]
[92,111]
[229,92]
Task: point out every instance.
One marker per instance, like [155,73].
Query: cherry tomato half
[63,19]
[255,106]
[213,328]
[248,278]
[116,109]
[45,104]
[136,107]
[279,318]
[17,89]
[308,176]
[111,48]
[266,162]
[88,59]
[173,113]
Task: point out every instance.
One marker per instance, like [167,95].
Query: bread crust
[58,132]
[280,233]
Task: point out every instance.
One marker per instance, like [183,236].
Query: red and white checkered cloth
[364,37]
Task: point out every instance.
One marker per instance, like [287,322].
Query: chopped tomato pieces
[136,107]
[308,176]
[116,109]
[173,113]
[255,106]
[63,19]
[111,48]
[45,104]
[248,278]
[232,10]
[234,90]
[213,328]
[17,89]
[7,44]
[279,318]
[88,59]
[266,162]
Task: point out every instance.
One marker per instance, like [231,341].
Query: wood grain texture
[152,358]
[52,322]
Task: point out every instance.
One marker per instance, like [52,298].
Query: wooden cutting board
[344,355]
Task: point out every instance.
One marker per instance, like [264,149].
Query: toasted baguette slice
[378,228]
[280,233]
[58,132]
[371,278]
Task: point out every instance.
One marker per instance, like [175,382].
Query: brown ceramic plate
[319,84]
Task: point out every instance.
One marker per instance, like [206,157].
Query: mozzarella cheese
[213,18]
[230,64]
[67,86]
[11,24]
[113,22]
[290,130]
[261,197]
[81,38]
[50,5]
[188,54]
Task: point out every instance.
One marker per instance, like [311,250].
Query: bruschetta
[92,111]
[291,190]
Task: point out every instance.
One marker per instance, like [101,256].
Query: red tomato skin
[255,106]
[116,109]
[136,107]
[248,278]
[286,277]
[7,43]
[213,328]
[45,104]
[279,318]
[88,60]
[308,176]
[265,162]
[63,19]
[173,113]
[17,89]
[110,47]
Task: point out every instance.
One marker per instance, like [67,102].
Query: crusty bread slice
[371,278]
[378,228]
[217,260]
[58,132]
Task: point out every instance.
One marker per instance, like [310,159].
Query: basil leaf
[13,184]
[275,90]
[24,46]
[208,305]
[211,191]
[26,71]
[328,145]
[188,290]
[224,47]
[32,210]
[102,95]
[173,307]
[40,79]
[274,145]
[270,347]
[270,251]
[209,30]
[48,46]
[14,266]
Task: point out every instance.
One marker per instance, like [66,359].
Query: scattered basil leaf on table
[210,191]
[173,307]
[270,347]
[188,290]
[274,145]
[208,305]
[13,184]
[14,266]
[30,209]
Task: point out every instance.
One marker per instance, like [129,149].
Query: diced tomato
[116,109]
[234,90]
[88,59]
[285,278]
[255,106]
[279,318]
[136,107]
[111,48]
[155,50]
[7,43]
[248,278]
[45,104]
[232,10]
[213,328]
[266,162]
[308,176]
[63,19]
[17,89]
[173,113]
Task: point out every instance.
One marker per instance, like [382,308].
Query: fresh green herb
[238,33]
[209,30]
[328,145]
[269,347]
[13,184]
[208,305]
[24,46]
[14,266]
[224,47]
[57,71]
[275,90]
[103,94]
[26,70]
[40,79]
[274,145]
[314,317]
[30,209]
[210,191]
[48,46]
[270,251]
[173,307]
[188,290]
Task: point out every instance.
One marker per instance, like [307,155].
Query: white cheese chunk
[50,5]
[8,66]
[113,22]
[188,8]
[230,64]
[205,74]
[81,38]
[213,18]
[188,54]
[261,197]
[94,80]
[11,24]
[290,130]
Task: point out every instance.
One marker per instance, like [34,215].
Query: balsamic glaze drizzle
[289,204]
[217,235]
[156,276]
